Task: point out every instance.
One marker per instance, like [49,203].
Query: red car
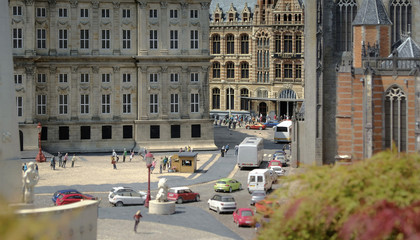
[72,198]
[243,217]
[182,194]
[256,126]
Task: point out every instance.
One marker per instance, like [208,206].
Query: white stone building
[103,75]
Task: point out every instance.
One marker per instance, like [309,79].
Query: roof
[180,188]
[372,12]
[238,5]
[187,154]
[408,49]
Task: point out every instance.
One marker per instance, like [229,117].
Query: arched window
[244,44]
[400,11]
[230,98]
[396,118]
[244,102]
[262,93]
[244,70]
[230,70]
[216,44]
[230,44]
[346,12]
[216,98]
[216,70]
[288,93]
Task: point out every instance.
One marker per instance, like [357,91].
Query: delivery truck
[250,152]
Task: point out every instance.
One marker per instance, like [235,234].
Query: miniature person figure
[52,164]
[136,218]
[30,179]
[113,162]
[124,154]
[59,159]
[65,160]
[222,151]
[73,159]
[131,155]
[153,166]
[227,148]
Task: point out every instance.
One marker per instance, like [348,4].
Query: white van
[259,179]
[250,152]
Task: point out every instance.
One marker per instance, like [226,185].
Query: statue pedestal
[161,208]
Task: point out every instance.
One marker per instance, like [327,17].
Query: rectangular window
[84,77]
[17,11]
[105,13]
[153,77]
[44,133]
[18,78]
[298,44]
[194,102]
[17,38]
[278,70]
[154,103]
[106,132]
[84,13]
[175,131]
[106,77]
[174,103]
[42,78]
[41,12]
[41,38]
[153,13]
[194,77]
[126,77]
[193,14]
[62,12]
[62,104]
[126,39]
[84,132]
[153,39]
[173,13]
[84,38]
[288,70]
[127,131]
[195,130]
[62,77]
[194,39]
[126,103]
[63,133]
[126,13]
[62,38]
[106,39]
[174,77]
[298,71]
[155,131]
[19,106]
[106,103]
[288,44]
[84,104]
[173,39]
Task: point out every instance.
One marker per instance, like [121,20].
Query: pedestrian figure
[227,148]
[113,162]
[59,159]
[160,168]
[153,166]
[24,167]
[36,167]
[131,155]
[73,159]
[236,150]
[222,151]
[114,154]
[136,218]
[165,161]
[124,154]
[52,163]
[180,149]
[169,162]
[65,160]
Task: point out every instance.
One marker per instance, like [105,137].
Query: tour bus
[283,131]
[250,152]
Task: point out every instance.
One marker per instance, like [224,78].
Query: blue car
[271,123]
[60,192]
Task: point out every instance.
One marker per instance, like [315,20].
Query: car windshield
[277,169]
[228,199]
[246,213]
[221,182]
[171,190]
[258,194]
[275,163]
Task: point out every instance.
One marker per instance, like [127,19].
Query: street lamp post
[230,100]
[40,157]
[149,158]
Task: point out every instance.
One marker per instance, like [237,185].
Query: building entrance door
[262,109]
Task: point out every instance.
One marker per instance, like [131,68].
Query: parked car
[278,169]
[222,203]
[182,194]
[243,217]
[227,185]
[120,196]
[265,207]
[273,175]
[279,158]
[72,198]
[257,196]
[259,126]
[271,123]
[65,191]
[279,152]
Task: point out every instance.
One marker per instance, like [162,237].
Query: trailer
[250,152]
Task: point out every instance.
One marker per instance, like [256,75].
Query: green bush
[318,203]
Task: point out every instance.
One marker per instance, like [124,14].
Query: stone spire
[372,12]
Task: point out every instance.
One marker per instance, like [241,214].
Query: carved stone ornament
[74,69]
[127,87]
[205,5]
[142,4]
[20,89]
[84,22]
[6,137]
[174,86]
[154,86]
[106,88]
[14,20]
[105,21]
[53,70]
[184,5]
[84,87]
[95,69]
[73,3]
[52,3]
[288,86]
[29,2]
[116,69]
[164,69]
[116,5]
[29,70]
[40,88]
[95,4]
[163,5]
[63,89]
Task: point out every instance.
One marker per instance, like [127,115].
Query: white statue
[30,179]
[163,190]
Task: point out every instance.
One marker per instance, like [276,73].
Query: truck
[250,152]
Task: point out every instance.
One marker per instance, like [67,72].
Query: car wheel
[230,189]
[218,210]
[260,128]
[179,201]
[197,198]
[209,206]
[247,127]
[119,204]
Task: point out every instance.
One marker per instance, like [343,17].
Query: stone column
[164,90]
[142,28]
[30,98]
[204,99]
[29,29]
[117,103]
[74,31]
[116,30]
[53,33]
[142,99]
[74,97]
[94,29]
[52,95]
[164,34]
[185,93]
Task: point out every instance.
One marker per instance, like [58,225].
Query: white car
[120,196]
[279,170]
[222,203]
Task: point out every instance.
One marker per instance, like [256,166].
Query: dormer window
[216,17]
[245,17]
[231,17]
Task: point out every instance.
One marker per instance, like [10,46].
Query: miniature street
[93,174]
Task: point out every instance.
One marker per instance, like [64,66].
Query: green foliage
[317,204]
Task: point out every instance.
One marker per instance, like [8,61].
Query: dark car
[271,123]
[60,192]
[73,197]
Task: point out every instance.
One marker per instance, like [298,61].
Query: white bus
[283,131]
[250,152]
